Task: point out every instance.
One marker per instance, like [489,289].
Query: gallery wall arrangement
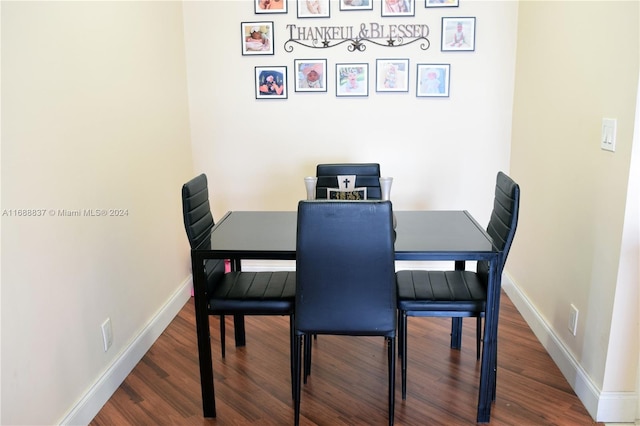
[353,79]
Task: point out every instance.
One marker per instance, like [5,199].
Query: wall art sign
[385,35]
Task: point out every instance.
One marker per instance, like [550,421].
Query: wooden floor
[348,382]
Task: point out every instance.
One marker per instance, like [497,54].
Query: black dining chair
[235,292]
[458,293]
[345,281]
[367,176]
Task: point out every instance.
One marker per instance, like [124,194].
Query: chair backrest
[504,218]
[367,175]
[198,222]
[345,277]
[196,211]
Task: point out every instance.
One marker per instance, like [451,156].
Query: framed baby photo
[442,3]
[270,6]
[458,34]
[433,80]
[313,9]
[311,75]
[352,79]
[257,38]
[398,7]
[271,82]
[356,4]
[392,75]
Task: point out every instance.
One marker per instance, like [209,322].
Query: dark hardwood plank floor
[348,380]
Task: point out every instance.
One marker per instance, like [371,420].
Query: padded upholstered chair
[345,277]
[367,176]
[235,292]
[457,293]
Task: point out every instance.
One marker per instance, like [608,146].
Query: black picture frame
[270,6]
[433,80]
[352,79]
[397,8]
[271,82]
[313,8]
[303,70]
[458,34]
[392,75]
[257,38]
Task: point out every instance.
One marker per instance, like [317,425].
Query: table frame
[420,237]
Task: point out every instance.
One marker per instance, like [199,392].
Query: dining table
[421,235]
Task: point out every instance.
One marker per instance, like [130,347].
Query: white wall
[443,153]
[94,116]
[580,65]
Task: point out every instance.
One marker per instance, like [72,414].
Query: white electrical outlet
[107,334]
[573,320]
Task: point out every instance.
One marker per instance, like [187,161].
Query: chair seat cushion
[440,291]
[254,293]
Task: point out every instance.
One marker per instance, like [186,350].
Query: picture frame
[352,79]
[356,4]
[314,8]
[310,75]
[398,7]
[257,38]
[392,75]
[442,3]
[270,6]
[432,80]
[458,34]
[271,82]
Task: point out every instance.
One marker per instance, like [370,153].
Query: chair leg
[391,342]
[478,336]
[403,360]
[456,333]
[296,382]
[307,356]
[400,334]
[222,335]
[292,351]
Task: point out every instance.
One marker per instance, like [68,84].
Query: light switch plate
[608,137]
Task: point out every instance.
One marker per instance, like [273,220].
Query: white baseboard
[91,403]
[610,407]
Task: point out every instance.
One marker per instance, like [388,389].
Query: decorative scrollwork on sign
[377,34]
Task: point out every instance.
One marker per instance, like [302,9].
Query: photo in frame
[352,79]
[270,6]
[433,80]
[257,38]
[313,9]
[271,82]
[398,7]
[442,3]
[392,75]
[356,4]
[311,75]
[458,34]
